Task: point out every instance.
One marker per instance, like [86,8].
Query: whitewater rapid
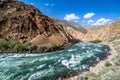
[51,65]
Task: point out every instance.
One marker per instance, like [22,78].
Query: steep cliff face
[75,33]
[22,22]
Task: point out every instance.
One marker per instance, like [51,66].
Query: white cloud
[102,21]
[89,15]
[47,4]
[90,21]
[71,17]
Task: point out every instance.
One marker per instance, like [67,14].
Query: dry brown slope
[106,33]
[22,22]
[75,33]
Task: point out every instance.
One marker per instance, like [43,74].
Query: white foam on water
[34,60]
[98,50]
[17,55]
[83,47]
[40,74]
[7,77]
[65,63]
[82,67]
[87,52]
[48,58]
[89,55]
[40,66]
[24,77]
[70,50]
[106,49]
[74,60]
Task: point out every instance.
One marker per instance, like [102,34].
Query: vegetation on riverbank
[96,41]
[108,64]
[9,46]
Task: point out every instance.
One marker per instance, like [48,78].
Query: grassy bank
[9,46]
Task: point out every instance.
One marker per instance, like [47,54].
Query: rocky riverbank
[102,70]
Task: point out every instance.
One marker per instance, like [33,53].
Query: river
[51,65]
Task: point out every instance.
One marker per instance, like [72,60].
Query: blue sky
[89,12]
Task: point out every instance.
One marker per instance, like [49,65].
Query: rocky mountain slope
[106,33]
[75,33]
[67,24]
[95,27]
[21,22]
[76,30]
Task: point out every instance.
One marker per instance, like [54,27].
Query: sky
[88,12]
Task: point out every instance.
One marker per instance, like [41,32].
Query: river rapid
[51,65]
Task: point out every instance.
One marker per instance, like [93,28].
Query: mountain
[95,27]
[105,33]
[21,22]
[76,30]
[73,25]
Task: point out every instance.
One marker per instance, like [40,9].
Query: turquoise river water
[51,65]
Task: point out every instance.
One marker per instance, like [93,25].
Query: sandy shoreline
[99,66]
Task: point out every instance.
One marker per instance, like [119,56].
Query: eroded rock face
[104,33]
[22,22]
[74,33]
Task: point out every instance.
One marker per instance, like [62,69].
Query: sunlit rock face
[50,65]
[22,22]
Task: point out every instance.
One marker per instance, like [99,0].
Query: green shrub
[52,47]
[48,47]
[3,45]
[27,44]
[108,64]
[39,48]
[32,47]
[96,41]
[18,47]
[11,44]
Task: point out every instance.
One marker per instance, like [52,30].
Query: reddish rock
[22,22]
